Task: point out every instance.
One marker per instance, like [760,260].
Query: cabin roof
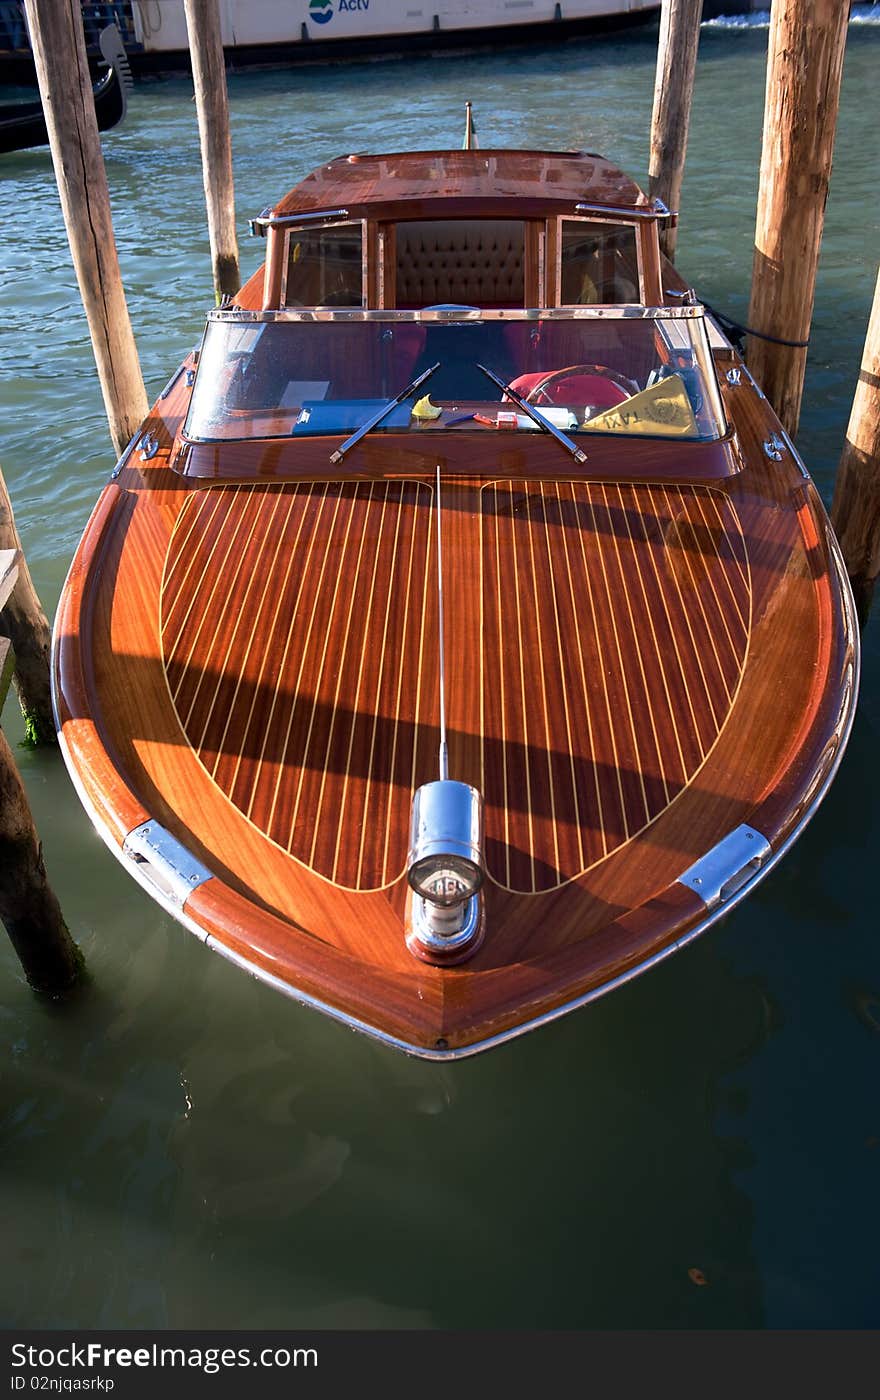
[421,178]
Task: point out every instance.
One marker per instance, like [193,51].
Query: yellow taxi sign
[663,410]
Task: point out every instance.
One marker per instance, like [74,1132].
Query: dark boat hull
[23,125]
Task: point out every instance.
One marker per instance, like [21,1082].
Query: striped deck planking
[298,626]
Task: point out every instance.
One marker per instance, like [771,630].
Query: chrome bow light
[445,872]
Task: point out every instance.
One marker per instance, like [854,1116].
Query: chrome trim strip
[753,381]
[796,458]
[134,868]
[172,381]
[632,312]
[729,866]
[171,866]
[263,222]
[637,212]
[126,453]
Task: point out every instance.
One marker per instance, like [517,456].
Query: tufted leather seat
[478,263]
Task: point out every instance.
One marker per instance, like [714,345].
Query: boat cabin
[485,278]
[494,229]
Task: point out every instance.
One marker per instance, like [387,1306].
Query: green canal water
[182,1146]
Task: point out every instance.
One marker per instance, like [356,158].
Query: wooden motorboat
[461,634]
[23,125]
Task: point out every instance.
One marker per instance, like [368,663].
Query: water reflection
[232,1160]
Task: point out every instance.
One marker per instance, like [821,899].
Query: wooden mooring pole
[212,107]
[673,93]
[51,960]
[30,911]
[855,512]
[804,68]
[24,624]
[59,51]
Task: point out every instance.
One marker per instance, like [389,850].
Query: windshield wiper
[383,412]
[562,438]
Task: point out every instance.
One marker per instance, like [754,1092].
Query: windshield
[650,376]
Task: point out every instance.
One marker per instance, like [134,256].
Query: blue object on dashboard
[325,416]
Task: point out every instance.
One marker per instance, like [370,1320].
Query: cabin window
[599,263]
[324,266]
[461,262]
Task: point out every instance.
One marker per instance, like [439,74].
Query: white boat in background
[285,31]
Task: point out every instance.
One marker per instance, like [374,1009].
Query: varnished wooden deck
[299,634]
[614,624]
[297,627]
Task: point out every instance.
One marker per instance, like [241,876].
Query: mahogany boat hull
[651,654]
[640,670]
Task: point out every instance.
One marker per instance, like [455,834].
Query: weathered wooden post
[673,91]
[23,622]
[804,67]
[59,53]
[855,512]
[212,106]
[51,960]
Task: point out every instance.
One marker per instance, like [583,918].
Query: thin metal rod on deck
[804,67]
[212,107]
[444,753]
[59,50]
[673,93]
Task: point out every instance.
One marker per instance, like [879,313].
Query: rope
[738,332]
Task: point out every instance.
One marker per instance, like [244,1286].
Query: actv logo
[321,11]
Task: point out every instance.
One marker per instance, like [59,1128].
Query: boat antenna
[444,755]
[470,141]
